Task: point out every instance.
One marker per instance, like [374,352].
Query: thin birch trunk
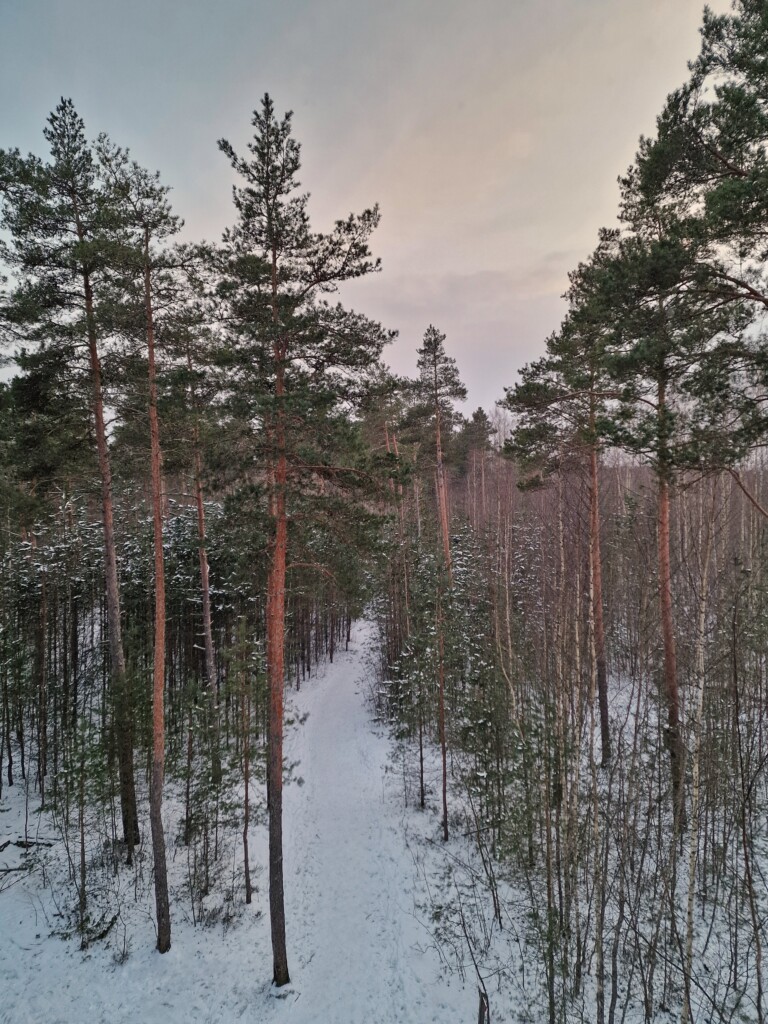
[246,727]
[698,707]
[596,568]
[205,587]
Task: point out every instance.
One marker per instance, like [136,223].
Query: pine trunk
[275,677]
[158,687]
[443,511]
[442,497]
[275,660]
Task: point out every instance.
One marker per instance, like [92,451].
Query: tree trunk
[441,713]
[158,687]
[42,684]
[205,586]
[246,728]
[122,709]
[275,673]
[275,658]
[210,660]
[443,511]
[442,497]
[597,608]
[673,738]
[698,710]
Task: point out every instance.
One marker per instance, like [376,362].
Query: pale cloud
[491,133]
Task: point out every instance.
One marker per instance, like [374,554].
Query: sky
[490,132]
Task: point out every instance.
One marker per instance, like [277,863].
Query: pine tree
[147,220]
[558,403]
[667,346]
[295,365]
[706,165]
[704,176]
[63,226]
[439,385]
[50,446]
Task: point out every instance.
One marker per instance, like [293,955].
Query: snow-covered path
[358,953]
[342,862]
[363,954]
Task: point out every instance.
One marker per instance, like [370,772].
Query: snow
[359,949]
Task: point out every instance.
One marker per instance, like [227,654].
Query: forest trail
[363,952]
[359,950]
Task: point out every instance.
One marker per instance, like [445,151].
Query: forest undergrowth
[589,893]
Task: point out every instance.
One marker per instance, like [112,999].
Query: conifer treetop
[438,372]
[273,221]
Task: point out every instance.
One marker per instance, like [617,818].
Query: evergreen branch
[738,282]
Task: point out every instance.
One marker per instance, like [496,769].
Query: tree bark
[246,728]
[158,686]
[205,586]
[122,709]
[276,656]
[698,711]
[673,738]
[597,607]
[210,660]
[442,497]
[443,511]
[441,713]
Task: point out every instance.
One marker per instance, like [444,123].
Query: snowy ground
[359,949]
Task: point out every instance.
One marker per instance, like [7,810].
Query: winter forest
[351,705]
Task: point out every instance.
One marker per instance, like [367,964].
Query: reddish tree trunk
[275,679]
[442,497]
[442,501]
[158,686]
[276,658]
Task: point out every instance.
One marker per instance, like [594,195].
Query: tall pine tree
[64,225]
[296,367]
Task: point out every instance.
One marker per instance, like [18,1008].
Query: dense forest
[209,474]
